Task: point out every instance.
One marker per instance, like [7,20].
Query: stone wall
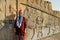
[40,24]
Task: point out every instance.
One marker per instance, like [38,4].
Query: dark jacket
[20,30]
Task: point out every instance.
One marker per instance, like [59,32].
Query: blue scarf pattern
[19,21]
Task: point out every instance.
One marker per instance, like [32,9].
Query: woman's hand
[14,30]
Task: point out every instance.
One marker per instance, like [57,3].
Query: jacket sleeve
[15,24]
[14,29]
[25,23]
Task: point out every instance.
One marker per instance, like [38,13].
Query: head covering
[20,11]
[19,19]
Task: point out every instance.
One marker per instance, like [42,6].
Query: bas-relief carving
[39,20]
[35,24]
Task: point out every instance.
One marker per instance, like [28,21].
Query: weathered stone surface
[39,24]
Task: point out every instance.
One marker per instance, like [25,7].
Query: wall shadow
[6,32]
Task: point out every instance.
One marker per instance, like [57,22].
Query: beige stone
[40,24]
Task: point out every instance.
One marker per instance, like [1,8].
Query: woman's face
[20,13]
